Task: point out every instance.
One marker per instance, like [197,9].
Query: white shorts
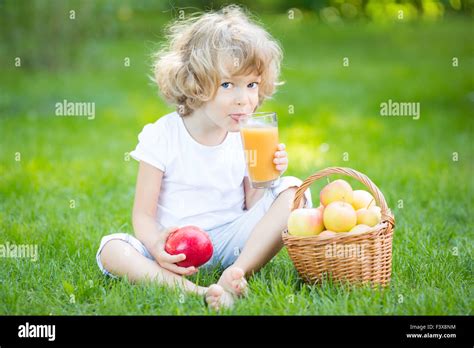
[229,239]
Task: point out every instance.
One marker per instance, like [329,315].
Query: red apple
[191,241]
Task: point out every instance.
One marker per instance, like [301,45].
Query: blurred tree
[50,34]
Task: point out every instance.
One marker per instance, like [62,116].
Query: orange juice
[260,144]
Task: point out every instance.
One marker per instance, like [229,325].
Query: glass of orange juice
[259,132]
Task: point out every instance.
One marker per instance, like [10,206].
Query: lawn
[67,181]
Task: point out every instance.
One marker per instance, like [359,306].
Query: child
[192,169]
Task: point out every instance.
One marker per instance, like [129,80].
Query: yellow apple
[359,229]
[338,190]
[378,210]
[362,199]
[306,222]
[369,217]
[339,217]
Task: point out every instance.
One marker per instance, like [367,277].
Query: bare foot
[232,284]
[217,297]
[233,280]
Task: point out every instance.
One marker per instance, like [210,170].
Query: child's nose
[242,98]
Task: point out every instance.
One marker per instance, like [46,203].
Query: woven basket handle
[374,190]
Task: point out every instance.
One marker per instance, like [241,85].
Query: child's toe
[215,290]
[237,273]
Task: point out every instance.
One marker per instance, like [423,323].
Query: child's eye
[253,85]
[226,85]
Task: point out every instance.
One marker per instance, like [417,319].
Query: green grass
[65,159]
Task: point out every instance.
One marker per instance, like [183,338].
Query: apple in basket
[306,221]
[338,190]
[327,234]
[339,217]
[359,229]
[191,241]
[369,217]
[362,199]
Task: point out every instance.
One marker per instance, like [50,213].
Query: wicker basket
[356,258]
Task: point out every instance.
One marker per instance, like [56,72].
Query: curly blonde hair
[203,49]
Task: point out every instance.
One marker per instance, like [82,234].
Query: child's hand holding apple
[168,261]
[191,241]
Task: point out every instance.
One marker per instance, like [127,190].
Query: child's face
[236,95]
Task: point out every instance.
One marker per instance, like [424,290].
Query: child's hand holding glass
[281,159]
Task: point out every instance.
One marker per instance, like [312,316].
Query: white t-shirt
[202,185]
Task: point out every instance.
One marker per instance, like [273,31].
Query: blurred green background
[329,114]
